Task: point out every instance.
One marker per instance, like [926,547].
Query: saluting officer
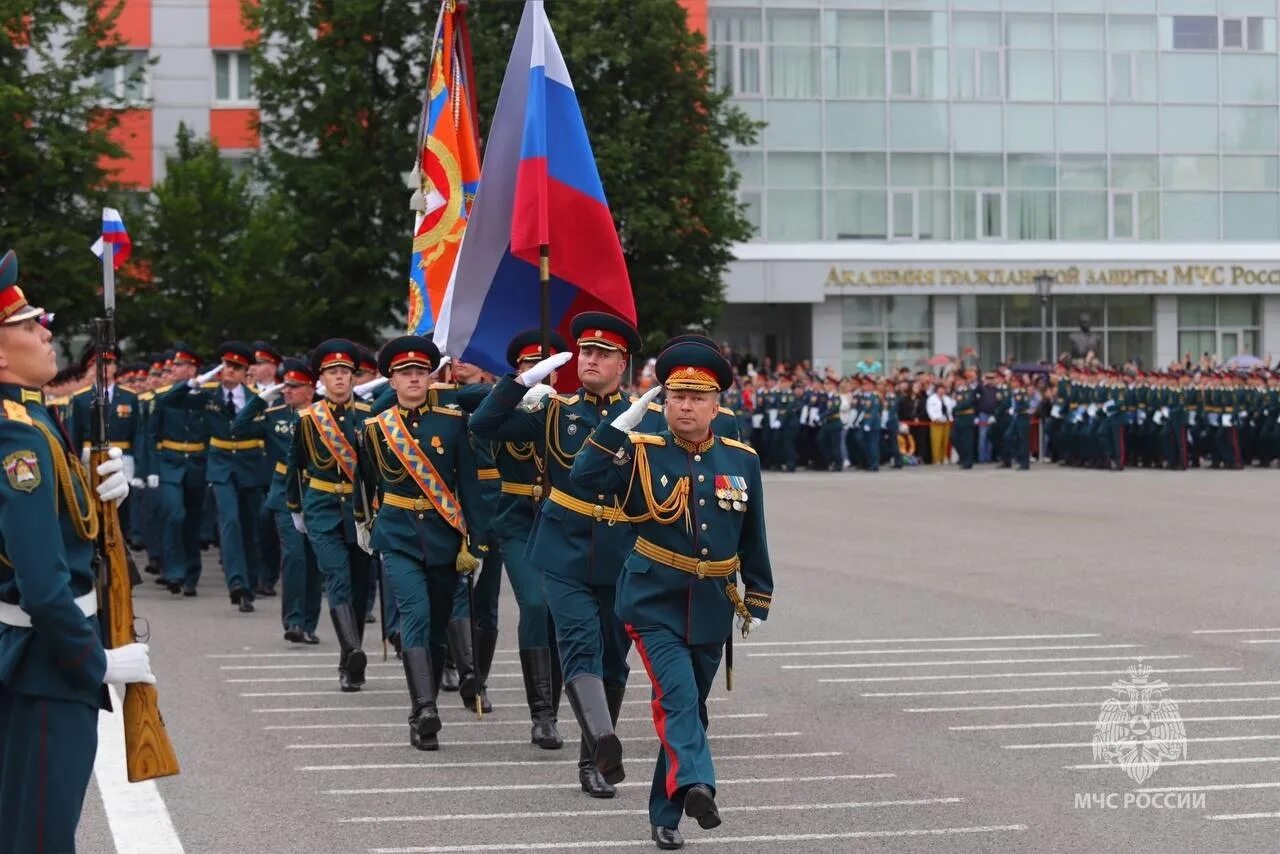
[697,505]
[724,424]
[263,373]
[418,465]
[276,423]
[52,662]
[321,497]
[578,542]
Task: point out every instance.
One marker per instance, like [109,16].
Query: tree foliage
[56,144]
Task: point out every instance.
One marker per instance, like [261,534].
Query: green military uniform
[178,449]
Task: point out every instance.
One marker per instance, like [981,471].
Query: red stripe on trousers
[659,713]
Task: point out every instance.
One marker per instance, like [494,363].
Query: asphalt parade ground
[931,679]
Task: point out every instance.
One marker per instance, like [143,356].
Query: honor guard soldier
[275,423]
[234,466]
[180,439]
[124,422]
[322,499]
[52,663]
[696,502]
[580,539]
[263,373]
[418,465]
[726,420]
[524,484]
[149,518]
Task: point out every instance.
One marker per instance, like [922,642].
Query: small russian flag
[113,232]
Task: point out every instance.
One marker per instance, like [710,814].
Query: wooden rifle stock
[148,751]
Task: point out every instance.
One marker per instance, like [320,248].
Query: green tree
[54,141]
[213,253]
[340,89]
[661,135]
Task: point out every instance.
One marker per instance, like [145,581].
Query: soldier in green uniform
[262,373]
[579,540]
[1018,433]
[234,466]
[275,423]
[179,436]
[53,667]
[320,492]
[697,504]
[419,467]
[964,437]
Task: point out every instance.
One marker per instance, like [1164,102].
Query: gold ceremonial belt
[684,563]
[526,489]
[124,446]
[419,504]
[281,468]
[488,474]
[330,487]
[181,447]
[245,445]
[596,511]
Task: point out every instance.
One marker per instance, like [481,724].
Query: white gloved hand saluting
[205,377]
[746,628]
[153,481]
[114,486]
[298,525]
[628,420]
[533,398]
[543,369]
[129,663]
[271,392]
[364,389]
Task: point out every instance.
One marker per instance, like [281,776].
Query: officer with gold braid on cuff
[695,501]
[418,466]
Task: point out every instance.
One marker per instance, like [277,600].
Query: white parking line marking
[917,651]
[1202,740]
[1094,723]
[1213,787]
[1239,816]
[1043,688]
[1230,631]
[546,763]
[1235,760]
[754,644]
[971,662]
[490,723]
[942,676]
[519,742]
[1181,701]
[632,784]
[723,840]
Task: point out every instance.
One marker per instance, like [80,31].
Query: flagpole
[109,275]
[544,282]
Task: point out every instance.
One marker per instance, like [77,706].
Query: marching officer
[276,423]
[124,424]
[577,542]
[1018,432]
[697,504]
[321,496]
[418,464]
[234,467]
[262,373]
[964,437]
[176,469]
[52,663]
[726,421]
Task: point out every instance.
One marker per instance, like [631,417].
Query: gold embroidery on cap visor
[690,378]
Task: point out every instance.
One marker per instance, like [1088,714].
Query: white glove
[320,389]
[129,663]
[298,525]
[205,377]
[362,537]
[153,481]
[364,389]
[114,486]
[628,420]
[534,396]
[137,483]
[271,392]
[745,628]
[543,369]
[440,367]
[130,470]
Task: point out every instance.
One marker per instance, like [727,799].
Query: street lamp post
[1044,285]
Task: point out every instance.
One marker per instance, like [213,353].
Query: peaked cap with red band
[598,329]
[334,353]
[692,366]
[264,352]
[183,353]
[528,345]
[296,372]
[14,307]
[408,351]
[236,353]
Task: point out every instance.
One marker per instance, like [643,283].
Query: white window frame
[119,75]
[979,197]
[233,80]
[1135,218]
[913,92]
[978,54]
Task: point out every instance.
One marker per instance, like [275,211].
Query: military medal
[737,505]
[435,443]
[724,505]
[572,429]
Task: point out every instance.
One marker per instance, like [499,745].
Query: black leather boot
[424,722]
[459,633]
[667,838]
[449,673]
[535,665]
[613,695]
[351,660]
[589,777]
[700,805]
[487,642]
[591,706]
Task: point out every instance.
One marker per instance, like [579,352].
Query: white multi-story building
[924,161]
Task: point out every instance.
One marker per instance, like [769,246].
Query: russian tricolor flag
[113,232]
[538,185]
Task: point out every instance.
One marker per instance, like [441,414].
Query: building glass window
[793,53]
[1008,328]
[856,196]
[895,331]
[793,202]
[233,77]
[1218,327]
[854,58]
[127,82]
[1189,32]
[737,47]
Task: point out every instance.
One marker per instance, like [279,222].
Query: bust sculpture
[1084,341]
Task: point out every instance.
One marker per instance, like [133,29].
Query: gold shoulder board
[734,443]
[444,410]
[646,439]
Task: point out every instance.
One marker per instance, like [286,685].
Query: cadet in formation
[53,667]
[323,501]
[418,466]
[696,502]
[580,538]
